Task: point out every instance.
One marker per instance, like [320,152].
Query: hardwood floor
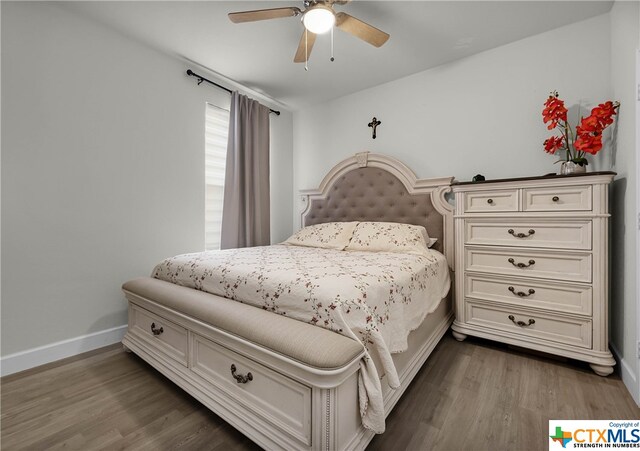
[474,395]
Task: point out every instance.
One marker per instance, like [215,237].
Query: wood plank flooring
[474,395]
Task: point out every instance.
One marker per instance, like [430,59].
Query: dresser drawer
[529,263]
[553,296]
[565,198]
[488,201]
[276,398]
[529,233]
[556,328]
[162,334]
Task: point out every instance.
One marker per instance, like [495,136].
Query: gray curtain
[245,211]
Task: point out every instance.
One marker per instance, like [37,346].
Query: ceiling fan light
[319,19]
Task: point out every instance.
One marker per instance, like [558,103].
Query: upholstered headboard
[371,187]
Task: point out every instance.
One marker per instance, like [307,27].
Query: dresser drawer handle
[156,331]
[520,264]
[239,377]
[489,201]
[522,294]
[555,198]
[521,323]
[521,235]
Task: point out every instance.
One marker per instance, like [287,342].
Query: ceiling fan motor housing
[319,18]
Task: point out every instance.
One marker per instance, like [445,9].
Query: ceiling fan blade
[263,14]
[361,30]
[300,53]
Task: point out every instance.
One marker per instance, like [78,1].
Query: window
[216,133]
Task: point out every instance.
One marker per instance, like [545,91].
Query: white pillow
[389,237]
[329,235]
[430,241]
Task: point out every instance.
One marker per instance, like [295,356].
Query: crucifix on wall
[374,124]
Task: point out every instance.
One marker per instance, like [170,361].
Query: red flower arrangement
[588,134]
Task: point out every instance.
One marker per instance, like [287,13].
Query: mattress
[374,298]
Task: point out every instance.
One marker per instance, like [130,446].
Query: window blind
[216,134]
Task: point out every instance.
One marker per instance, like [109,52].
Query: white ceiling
[259,55]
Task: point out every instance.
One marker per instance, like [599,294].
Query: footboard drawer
[164,335]
[278,399]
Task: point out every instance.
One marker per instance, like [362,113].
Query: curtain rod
[201,79]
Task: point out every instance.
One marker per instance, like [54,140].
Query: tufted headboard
[371,187]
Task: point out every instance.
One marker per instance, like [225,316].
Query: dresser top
[538,177]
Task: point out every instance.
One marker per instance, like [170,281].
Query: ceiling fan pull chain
[332,58]
[306,51]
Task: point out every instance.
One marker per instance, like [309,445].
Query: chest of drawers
[532,264]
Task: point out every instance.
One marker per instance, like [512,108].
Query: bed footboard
[275,400]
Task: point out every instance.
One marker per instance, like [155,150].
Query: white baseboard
[628,375]
[31,358]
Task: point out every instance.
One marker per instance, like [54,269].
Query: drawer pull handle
[520,234]
[489,201]
[239,377]
[521,323]
[555,198]
[520,264]
[156,331]
[522,294]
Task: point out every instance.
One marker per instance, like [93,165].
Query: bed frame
[287,403]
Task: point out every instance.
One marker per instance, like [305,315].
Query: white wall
[481,114]
[281,175]
[102,171]
[625,40]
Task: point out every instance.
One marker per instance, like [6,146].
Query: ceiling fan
[318,17]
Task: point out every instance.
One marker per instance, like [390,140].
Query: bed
[283,382]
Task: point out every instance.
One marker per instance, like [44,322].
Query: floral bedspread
[377,298]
